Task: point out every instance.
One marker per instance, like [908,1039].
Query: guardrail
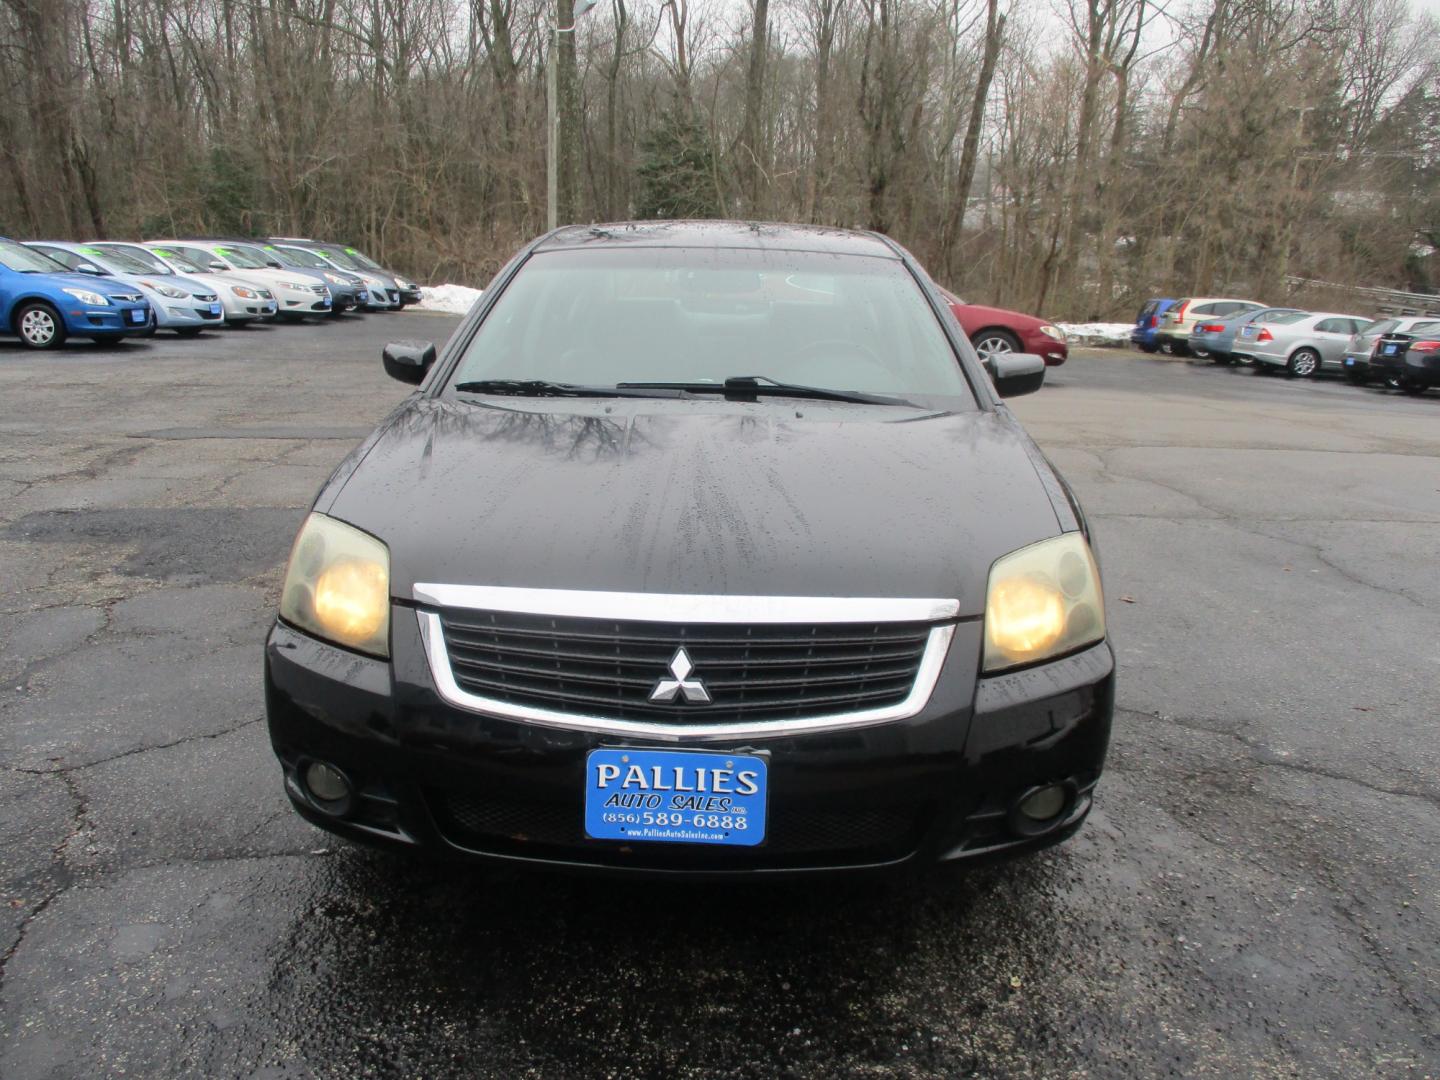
[1383,301]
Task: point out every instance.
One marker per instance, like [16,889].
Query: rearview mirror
[1016,373]
[408,361]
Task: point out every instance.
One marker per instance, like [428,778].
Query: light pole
[552,111]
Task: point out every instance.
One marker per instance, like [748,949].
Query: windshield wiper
[751,386]
[544,388]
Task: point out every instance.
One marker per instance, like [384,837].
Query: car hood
[109,285]
[697,497]
[1017,319]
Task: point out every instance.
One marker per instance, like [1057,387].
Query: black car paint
[1407,367]
[709,496]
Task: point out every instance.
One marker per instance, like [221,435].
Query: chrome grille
[128,298]
[753,672]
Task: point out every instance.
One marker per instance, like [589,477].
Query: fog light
[1044,803]
[325,783]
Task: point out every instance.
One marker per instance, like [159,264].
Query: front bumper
[938,786]
[115,320]
[1053,352]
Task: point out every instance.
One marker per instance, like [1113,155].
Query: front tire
[40,326]
[1305,363]
[990,343]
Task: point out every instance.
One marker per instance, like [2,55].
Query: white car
[377,292]
[297,293]
[243,300]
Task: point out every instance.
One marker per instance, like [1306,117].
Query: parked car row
[51,290]
[1401,352]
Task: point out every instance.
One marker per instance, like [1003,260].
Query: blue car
[1143,336]
[182,304]
[42,305]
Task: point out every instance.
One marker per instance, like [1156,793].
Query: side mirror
[216,264]
[1016,373]
[276,263]
[89,268]
[408,361]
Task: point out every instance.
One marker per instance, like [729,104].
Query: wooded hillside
[1069,160]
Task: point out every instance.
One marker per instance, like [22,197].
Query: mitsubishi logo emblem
[693,689]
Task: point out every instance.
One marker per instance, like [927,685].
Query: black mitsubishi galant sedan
[701,547]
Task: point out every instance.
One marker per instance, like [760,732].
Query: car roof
[753,235]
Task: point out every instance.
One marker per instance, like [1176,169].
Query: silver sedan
[1303,343]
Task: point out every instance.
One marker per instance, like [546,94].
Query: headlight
[334,279]
[164,290]
[1053,332]
[338,586]
[1043,600]
[406,283]
[298,286]
[242,292]
[85,296]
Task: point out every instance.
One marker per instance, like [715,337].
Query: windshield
[676,315]
[116,264]
[339,258]
[245,258]
[185,266]
[123,254]
[24,260]
[299,257]
[362,260]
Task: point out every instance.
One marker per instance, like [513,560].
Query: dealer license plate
[1391,350]
[214,309]
[675,796]
[1248,332]
[137,315]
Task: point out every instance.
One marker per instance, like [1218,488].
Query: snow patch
[451,299]
[1098,333]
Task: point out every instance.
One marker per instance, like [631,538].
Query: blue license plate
[362,296]
[137,315]
[1391,350]
[214,309]
[675,796]
[1349,361]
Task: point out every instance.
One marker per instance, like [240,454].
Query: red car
[995,330]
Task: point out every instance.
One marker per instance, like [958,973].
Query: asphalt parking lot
[1257,893]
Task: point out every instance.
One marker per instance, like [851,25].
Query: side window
[1328,326]
[1384,326]
[1227,309]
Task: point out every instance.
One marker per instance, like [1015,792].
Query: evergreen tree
[677,170]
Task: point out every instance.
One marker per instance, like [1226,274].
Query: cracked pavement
[1256,894]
